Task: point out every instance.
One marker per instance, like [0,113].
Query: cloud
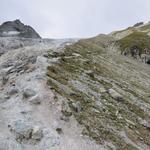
[75,18]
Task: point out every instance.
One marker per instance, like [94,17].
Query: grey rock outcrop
[17,29]
[13,90]
[138,24]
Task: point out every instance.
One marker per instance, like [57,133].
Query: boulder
[37,133]
[77,107]
[35,100]
[115,95]
[27,93]
[12,91]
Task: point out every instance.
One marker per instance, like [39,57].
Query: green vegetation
[83,69]
[145,27]
[139,39]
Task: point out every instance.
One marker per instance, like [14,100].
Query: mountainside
[108,94]
[134,41]
[17,29]
[69,94]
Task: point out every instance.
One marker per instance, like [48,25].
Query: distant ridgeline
[17,29]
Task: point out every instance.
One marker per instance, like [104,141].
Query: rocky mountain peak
[17,29]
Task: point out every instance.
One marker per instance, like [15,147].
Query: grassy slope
[145,27]
[84,74]
[133,36]
[139,39]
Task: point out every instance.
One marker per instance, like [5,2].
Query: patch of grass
[145,27]
[98,115]
[139,39]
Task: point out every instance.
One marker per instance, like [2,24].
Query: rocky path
[30,115]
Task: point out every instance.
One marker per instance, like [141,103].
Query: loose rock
[37,133]
[77,107]
[28,93]
[13,90]
[35,100]
[115,95]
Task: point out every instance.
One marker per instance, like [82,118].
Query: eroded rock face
[17,29]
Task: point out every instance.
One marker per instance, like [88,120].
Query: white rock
[35,100]
[6,70]
[115,95]
[37,133]
[102,90]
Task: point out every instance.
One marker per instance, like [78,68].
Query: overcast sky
[75,18]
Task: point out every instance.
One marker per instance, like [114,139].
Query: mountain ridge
[17,29]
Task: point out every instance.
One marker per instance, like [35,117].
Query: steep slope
[134,41]
[74,94]
[138,39]
[123,33]
[107,93]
